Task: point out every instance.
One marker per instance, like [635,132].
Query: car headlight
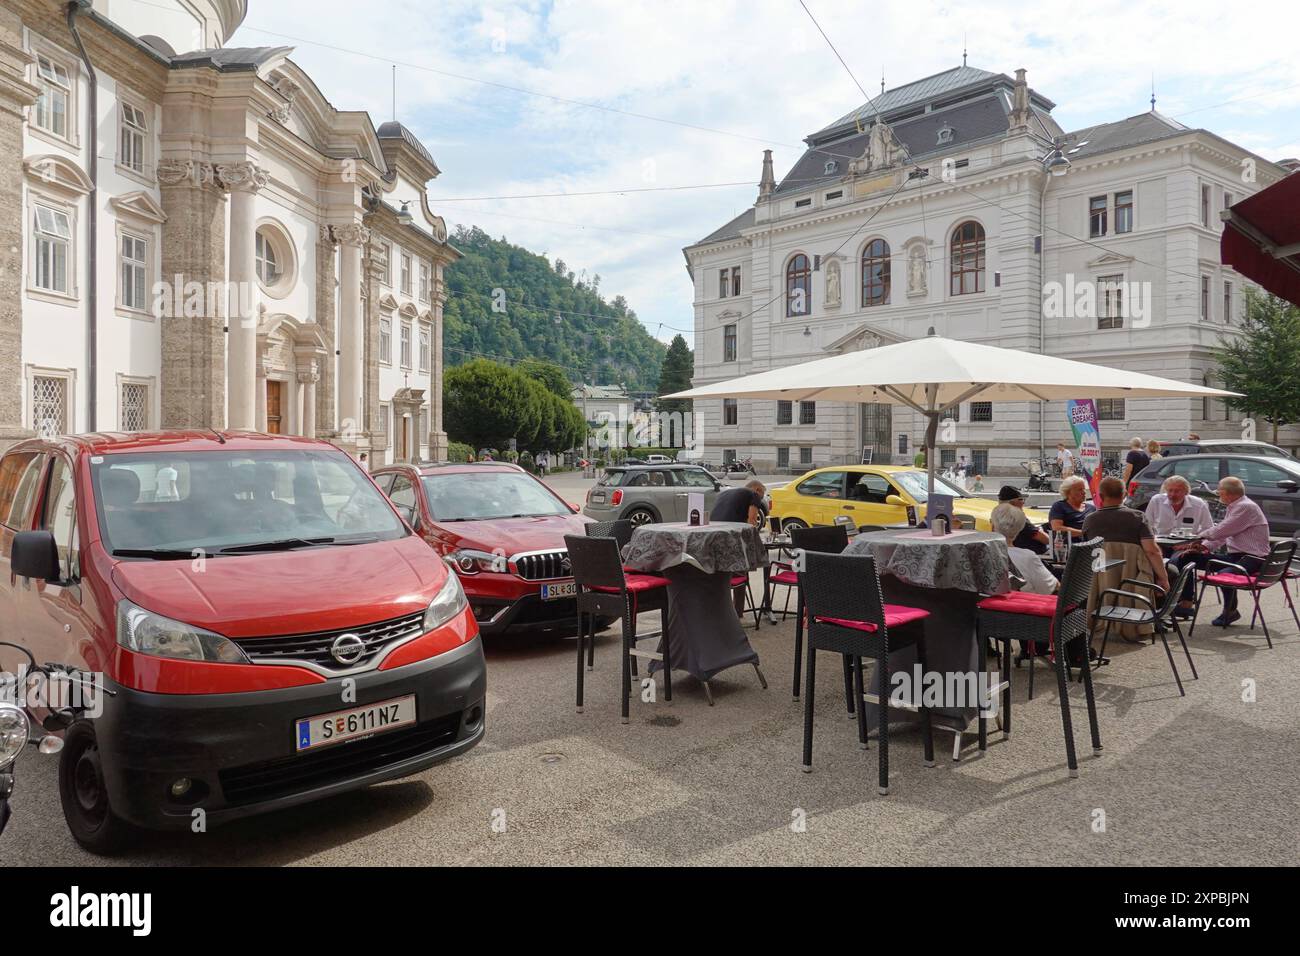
[148,633]
[446,604]
[470,561]
[15,731]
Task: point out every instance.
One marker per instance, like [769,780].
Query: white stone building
[220,247]
[933,208]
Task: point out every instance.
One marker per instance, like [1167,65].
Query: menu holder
[938,513]
[695,509]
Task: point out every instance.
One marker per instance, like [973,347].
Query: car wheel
[789,524]
[84,794]
[640,516]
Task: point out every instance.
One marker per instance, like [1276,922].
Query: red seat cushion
[1230,580]
[739,580]
[637,582]
[896,615]
[785,577]
[1020,602]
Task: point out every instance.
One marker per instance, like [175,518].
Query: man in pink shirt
[1243,533]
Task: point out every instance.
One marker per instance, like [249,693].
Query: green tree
[549,375]
[675,376]
[485,404]
[1261,361]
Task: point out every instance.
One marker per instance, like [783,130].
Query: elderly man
[740,504]
[1009,521]
[1177,509]
[1243,533]
[1030,537]
[1114,522]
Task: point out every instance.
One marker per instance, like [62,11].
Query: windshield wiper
[283,544]
[158,554]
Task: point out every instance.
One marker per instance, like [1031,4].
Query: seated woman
[1068,513]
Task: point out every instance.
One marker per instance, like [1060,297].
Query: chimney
[1019,117]
[766,185]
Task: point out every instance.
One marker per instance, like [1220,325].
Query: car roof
[1287,464]
[658,467]
[171,440]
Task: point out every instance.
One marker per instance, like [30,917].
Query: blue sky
[756,73]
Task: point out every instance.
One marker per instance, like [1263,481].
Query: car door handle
[848,508]
[684,494]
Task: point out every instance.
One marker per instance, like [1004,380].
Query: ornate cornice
[351,234]
[243,176]
[173,172]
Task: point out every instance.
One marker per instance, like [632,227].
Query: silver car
[649,493]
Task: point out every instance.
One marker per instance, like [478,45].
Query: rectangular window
[735,280]
[1097,216]
[53,235]
[1124,211]
[981,411]
[807,413]
[1205,298]
[406,274]
[724,283]
[1110,409]
[1205,205]
[805,456]
[784,413]
[783,458]
[135,269]
[406,345]
[947,457]
[133,133]
[1110,302]
[423,437]
[133,409]
[387,277]
[979,461]
[52,102]
[1227,302]
[426,349]
[902,444]
[386,340]
[49,405]
[728,343]
[838,194]
[730,415]
[424,282]
[801,203]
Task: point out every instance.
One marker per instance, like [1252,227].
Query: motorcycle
[16,723]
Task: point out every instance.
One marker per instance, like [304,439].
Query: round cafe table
[946,576]
[705,634]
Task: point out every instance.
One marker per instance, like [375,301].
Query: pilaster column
[243,179]
[261,394]
[326,294]
[351,345]
[437,437]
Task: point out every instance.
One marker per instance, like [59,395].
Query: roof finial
[1153,92]
[963,49]
[882,79]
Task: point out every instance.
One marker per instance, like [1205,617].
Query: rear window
[610,478]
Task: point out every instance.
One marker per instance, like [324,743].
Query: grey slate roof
[395,130]
[732,229]
[230,59]
[1143,128]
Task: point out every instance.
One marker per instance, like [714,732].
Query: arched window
[798,286]
[967,269]
[875,273]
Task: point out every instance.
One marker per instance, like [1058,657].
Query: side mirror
[576,509]
[35,555]
[896,501]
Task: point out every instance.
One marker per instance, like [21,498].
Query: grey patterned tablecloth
[730,546]
[975,561]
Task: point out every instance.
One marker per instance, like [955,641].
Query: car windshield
[230,502]
[915,484]
[475,496]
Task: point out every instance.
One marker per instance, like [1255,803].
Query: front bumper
[238,749]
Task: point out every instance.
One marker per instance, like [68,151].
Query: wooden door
[273,417]
[401,423]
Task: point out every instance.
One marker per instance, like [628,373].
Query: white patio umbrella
[933,374]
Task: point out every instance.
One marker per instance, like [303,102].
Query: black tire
[790,523]
[84,796]
[640,515]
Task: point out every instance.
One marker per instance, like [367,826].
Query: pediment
[864,337]
[388,302]
[138,205]
[58,173]
[409,311]
[1105,260]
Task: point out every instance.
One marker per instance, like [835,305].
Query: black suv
[1272,483]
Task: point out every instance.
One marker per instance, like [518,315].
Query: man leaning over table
[1243,533]
[1113,522]
[1177,509]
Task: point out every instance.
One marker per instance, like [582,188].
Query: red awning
[1262,238]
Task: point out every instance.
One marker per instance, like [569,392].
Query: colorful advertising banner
[1087,442]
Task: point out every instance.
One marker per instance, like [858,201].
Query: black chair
[824,539]
[1055,619]
[847,615]
[1234,577]
[620,529]
[1160,616]
[606,590]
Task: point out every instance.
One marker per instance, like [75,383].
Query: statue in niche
[916,271]
[832,284]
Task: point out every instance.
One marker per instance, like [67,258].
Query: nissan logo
[347,649]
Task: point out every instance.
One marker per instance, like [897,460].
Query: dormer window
[945,134]
[831,166]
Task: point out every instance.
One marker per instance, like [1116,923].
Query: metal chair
[1160,616]
[1057,619]
[1235,577]
[847,615]
[605,589]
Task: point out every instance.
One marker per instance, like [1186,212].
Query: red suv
[503,531]
[268,629]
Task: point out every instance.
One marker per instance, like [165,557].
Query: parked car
[225,585]
[1272,483]
[502,530]
[658,460]
[1222,446]
[873,495]
[646,493]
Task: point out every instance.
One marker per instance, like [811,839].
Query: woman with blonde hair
[1153,450]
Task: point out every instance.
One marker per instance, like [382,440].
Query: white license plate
[552,591]
[344,725]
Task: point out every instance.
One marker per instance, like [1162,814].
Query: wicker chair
[619,529]
[1234,577]
[825,539]
[606,590]
[847,615]
[1160,616]
[1057,619]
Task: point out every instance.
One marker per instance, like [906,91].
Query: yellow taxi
[874,494]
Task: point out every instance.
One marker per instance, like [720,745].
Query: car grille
[284,776]
[315,648]
[540,567]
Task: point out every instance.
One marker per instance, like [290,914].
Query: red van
[269,629]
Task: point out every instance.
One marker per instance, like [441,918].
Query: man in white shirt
[1177,509]
[1065,458]
[166,484]
[1008,520]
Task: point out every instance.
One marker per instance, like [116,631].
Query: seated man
[1177,509]
[1009,521]
[1243,533]
[1030,537]
[1115,523]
